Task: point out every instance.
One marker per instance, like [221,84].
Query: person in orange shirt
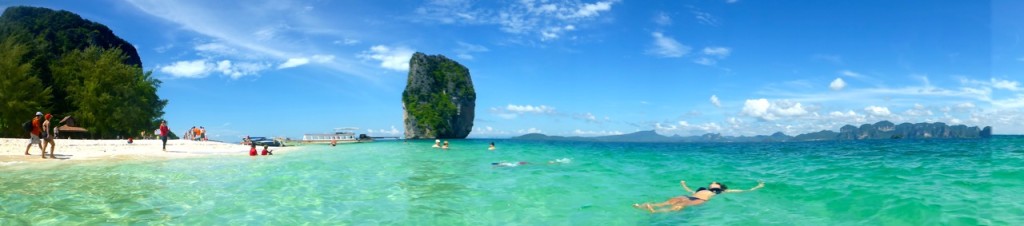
[34,135]
[196,133]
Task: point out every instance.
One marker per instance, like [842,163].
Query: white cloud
[663,19]
[202,68]
[530,130]
[521,109]
[586,117]
[293,62]
[323,59]
[1005,84]
[705,61]
[465,50]
[965,105]
[580,132]
[251,32]
[714,101]
[394,58]
[346,41]
[768,111]
[705,18]
[592,9]
[188,69]
[548,20]
[837,84]
[665,46]
[877,111]
[392,132]
[851,74]
[720,52]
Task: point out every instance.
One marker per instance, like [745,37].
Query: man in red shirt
[164,132]
[34,134]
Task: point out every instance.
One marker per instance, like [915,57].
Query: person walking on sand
[698,197]
[164,132]
[48,136]
[34,135]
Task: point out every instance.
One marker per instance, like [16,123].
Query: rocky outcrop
[439,100]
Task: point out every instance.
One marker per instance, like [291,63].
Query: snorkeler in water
[508,164]
[698,197]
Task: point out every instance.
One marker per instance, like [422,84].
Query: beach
[12,150]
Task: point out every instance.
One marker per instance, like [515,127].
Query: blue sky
[582,68]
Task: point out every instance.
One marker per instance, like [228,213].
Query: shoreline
[12,150]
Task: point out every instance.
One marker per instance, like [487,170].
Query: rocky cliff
[439,100]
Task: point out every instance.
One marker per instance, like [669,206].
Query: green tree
[109,97]
[21,92]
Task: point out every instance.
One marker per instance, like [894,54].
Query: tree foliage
[21,92]
[55,60]
[109,98]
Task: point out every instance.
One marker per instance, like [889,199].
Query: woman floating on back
[698,197]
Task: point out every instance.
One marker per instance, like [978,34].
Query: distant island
[877,131]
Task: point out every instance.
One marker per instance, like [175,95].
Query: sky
[578,67]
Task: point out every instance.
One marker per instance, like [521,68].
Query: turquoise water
[815,183]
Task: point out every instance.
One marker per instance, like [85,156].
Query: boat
[264,141]
[340,136]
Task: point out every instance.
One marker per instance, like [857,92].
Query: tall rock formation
[439,100]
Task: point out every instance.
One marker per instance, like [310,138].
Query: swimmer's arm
[683,182]
[760,185]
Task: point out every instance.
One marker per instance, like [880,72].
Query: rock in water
[439,100]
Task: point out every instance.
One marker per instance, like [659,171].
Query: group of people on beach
[196,134]
[41,134]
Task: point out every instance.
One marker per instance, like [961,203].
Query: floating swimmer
[491,147]
[560,161]
[508,164]
[698,197]
[445,146]
[437,143]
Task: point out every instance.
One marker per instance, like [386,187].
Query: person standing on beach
[164,132]
[202,132]
[48,136]
[34,135]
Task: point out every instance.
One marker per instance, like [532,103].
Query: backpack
[28,126]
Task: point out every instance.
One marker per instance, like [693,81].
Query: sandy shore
[12,151]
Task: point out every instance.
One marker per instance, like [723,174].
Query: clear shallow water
[815,183]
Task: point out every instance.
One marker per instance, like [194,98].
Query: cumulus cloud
[714,101]
[877,111]
[837,84]
[201,68]
[393,58]
[588,117]
[665,46]
[187,69]
[767,111]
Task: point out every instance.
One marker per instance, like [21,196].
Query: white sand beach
[12,150]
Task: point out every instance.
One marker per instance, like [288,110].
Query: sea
[879,182]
